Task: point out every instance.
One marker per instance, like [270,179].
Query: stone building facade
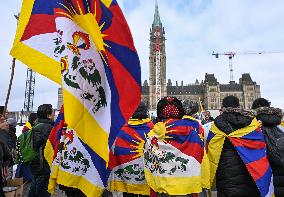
[209,91]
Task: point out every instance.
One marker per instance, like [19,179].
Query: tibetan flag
[250,145]
[173,156]
[126,158]
[86,46]
[73,163]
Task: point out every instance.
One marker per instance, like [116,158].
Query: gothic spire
[157,21]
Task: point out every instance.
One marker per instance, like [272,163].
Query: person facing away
[126,155]
[5,155]
[4,159]
[39,166]
[271,121]
[233,142]
[24,169]
[8,136]
[173,152]
[191,108]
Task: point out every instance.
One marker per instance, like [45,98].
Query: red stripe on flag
[258,168]
[129,90]
[118,160]
[252,144]
[180,130]
[39,24]
[122,143]
[119,31]
[190,149]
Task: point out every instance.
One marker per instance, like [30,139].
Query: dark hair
[169,107]
[32,118]
[1,109]
[260,102]
[190,107]
[141,111]
[230,101]
[44,110]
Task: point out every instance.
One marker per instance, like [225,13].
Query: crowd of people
[241,153]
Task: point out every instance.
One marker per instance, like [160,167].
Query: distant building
[209,91]
[60,98]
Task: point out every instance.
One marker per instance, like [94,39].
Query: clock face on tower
[157,33]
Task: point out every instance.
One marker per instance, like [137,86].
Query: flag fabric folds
[173,156]
[73,163]
[250,144]
[86,47]
[126,158]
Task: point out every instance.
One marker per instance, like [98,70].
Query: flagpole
[12,76]
[10,85]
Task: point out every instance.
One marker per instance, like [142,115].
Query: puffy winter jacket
[232,176]
[271,118]
[39,165]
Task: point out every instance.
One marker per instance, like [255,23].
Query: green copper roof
[157,21]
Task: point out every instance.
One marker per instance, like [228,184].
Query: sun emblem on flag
[84,14]
[160,130]
[138,147]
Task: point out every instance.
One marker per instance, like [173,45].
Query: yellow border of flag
[79,118]
[36,60]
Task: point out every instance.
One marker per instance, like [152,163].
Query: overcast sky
[194,28]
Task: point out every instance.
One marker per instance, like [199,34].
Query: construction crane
[230,55]
[158,66]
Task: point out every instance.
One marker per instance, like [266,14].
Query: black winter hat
[190,107]
[141,111]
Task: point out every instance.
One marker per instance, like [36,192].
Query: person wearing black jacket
[232,176]
[4,158]
[271,118]
[4,151]
[39,166]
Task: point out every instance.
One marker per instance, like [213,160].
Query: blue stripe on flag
[264,182]
[117,119]
[99,163]
[192,138]
[186,122]
[249,155]
[113,3]
[122,151]
[255,135]
[210,136]
[106,18]
[126,137]
[43,7]
[129,59]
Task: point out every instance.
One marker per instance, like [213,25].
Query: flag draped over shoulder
[126,158]
[250,144]
[173,155]
[86,47]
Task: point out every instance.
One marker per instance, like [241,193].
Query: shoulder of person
[42,126]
